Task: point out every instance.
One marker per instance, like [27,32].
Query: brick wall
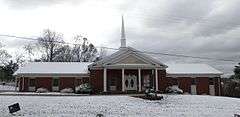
[162,80]
[66,83]
[44,82]
[184,83]
[116,76]
[96,80]
[202,85]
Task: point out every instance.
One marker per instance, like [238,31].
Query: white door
[211,90]
[193,90]
[131,82]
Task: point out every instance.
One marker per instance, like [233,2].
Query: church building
[125,71]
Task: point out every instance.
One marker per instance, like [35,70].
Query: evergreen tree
[236,72]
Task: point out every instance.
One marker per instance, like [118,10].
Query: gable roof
[124,53]
[53,68]
[191,69]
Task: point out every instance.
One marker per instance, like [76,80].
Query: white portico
[130,62]
[135,70]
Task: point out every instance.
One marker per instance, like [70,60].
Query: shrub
[150,92]
[232,88]
[67,90]
[174,90]
[42,90]
[84,88]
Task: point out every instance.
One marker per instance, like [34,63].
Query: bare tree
[4,56]
[64,54]
[50,42]
[83,51]
[29,48]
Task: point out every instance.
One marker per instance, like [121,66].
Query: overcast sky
[207,28]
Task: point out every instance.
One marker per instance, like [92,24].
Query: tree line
[49,47]
[231,86]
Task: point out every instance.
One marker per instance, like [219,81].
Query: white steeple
[123,37]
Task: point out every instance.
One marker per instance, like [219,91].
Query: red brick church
[125,71]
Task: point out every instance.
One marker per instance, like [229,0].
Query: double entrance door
[130,82]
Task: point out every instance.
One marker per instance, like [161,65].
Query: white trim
[193,75]
[105,80]
[132,66]
[124,52]
[53,75]
[123,80]
[156,79]
[139,80]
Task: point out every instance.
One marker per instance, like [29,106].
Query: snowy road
[172,105]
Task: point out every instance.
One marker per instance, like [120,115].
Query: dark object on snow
[236,115]
[84,89]
[14,108]
[99,115]
[150,94]
[3,83]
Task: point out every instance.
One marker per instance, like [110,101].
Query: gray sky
[208,28]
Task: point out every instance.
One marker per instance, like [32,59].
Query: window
[32,82]
[211,81]
[146,81]
[113,82]
[55,82]
[175,81]
[194,81]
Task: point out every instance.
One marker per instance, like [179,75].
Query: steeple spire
[123,37]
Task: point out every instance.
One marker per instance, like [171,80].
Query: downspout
[219,86]
[23,84]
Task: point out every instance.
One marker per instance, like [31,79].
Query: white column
[139,80]
[23,87]
[16,83]
[105,80]
[156,78]
[123,80]
[219,86]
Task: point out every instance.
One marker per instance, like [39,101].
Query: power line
[146,52]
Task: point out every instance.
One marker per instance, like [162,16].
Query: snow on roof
[191,69]
[125,52]
[54,68]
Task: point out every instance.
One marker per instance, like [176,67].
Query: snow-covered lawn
[172,105]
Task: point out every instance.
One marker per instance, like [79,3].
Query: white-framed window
[55,84]
[32,84]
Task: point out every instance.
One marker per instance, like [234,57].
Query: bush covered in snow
[42,90]
[67,90]
[174,90]
[84,88]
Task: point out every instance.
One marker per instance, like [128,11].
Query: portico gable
[136,71]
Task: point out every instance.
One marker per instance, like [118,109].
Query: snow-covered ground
[172,105]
